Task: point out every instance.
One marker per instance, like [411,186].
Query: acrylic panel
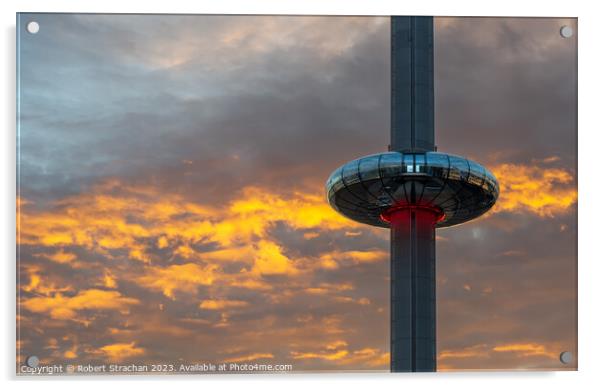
[264,194]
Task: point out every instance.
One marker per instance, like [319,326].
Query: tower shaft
[412,190]
[413,298]
[413,280]
[412,91]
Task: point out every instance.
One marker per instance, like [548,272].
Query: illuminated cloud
[40,286]
[332,260]
[329,356]
[326,288]
[161,234]
[476,351]
[115,216]
[65,307]
[338,352]
[108,280]
[542,190]
[121,221]
[479,355]
[222,304]
[526,350]
[71,353]
[184,278]
[61,256]
[270,260]
[119,352]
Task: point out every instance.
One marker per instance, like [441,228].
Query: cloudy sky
[171,191]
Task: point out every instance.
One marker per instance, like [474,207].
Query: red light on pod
[437,215]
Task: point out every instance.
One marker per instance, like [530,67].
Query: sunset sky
[171,202]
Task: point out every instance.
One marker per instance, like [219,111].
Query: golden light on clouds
[468,352]
[526,349]
[329,356]
[339,353]
[270,260]
[332,259]
[109,281]
[221,304]
[119,352]
[220,261]
[100,220]
[61,256]
[40,286]
[63,307]
[542,190]
[479,353]
[163,245]
[71,353]
[333,351]
[185,278]
[115,218]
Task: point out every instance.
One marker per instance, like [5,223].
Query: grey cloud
[295,106]
[506,84]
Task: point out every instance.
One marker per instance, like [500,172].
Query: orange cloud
[70,354]
[332,259]
[153,239]
[222,304]
[109,280]
[269,259]
[531,188]
[326,288]
[64,307]
[382,360]
[60,256]
[116,216]
[336,345]
[117,220]
[121,351]
[186,278]
[41,286]
[338,352]
[480,350]
[300,211]
[333,356]
[476,354]
[527,349]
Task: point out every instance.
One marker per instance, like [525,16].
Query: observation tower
[412,190]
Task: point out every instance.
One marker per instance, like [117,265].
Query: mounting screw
[566,31]
[33,27]
[32,361]
[566,357]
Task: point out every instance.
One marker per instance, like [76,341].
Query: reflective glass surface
[451,183]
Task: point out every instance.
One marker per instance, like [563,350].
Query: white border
[589,183]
